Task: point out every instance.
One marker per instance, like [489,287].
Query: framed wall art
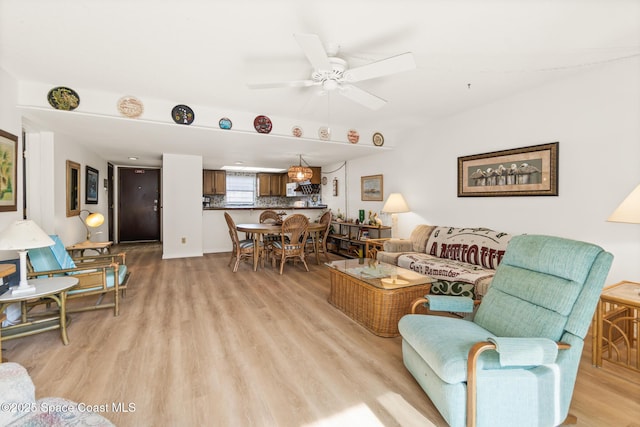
[91,186]
[526,171]
[73,188]
[8,173]
[371,188]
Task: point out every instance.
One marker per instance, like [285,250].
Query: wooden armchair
[97,275]
[293,240]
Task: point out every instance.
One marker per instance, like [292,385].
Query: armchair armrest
[515,351]
[120,258]
[445,303]
[472,373]
[398,245]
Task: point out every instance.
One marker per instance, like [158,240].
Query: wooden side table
[99,247]
[617,322]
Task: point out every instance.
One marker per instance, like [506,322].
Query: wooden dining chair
[293,239]
[319,241]
[271,217]
[242,249]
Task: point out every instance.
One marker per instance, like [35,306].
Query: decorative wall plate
[296,131]
[324,180]
[262,124]
[225,123]
[378,139]
[63,98]
[130,106]
[182,114]
[353,136]
[324,133]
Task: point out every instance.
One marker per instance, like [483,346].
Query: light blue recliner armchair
[506,368]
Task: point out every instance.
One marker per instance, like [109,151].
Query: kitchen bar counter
[262,208]
[215,230]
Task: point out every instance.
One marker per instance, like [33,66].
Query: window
[241,188]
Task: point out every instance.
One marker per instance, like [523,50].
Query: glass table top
[379,274]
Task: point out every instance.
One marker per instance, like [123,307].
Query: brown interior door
[139,204]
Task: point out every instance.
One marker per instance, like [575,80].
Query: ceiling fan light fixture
[299,173]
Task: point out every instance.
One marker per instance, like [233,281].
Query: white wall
[10,122]
[595,116]
[181,206]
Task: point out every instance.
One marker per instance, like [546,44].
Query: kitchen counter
[262,208]
[216,232]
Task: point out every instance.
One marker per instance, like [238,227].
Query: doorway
[138,205]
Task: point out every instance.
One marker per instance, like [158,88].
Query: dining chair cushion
[287,246]
[246,243]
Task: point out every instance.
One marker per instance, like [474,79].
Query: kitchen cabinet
[271,184]
[317,175]
[349,239]
[214,182]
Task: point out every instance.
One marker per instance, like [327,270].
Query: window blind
[241,189]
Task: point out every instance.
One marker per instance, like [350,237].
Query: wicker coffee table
[375,294]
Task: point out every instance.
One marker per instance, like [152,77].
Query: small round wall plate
[324,133]
[63,98]
[182,114]
[262,124]
[353,136]
[324,180]
[130,106]
[296,131]
[378,139]
[225,123]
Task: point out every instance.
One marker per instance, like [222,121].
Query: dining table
[259,229]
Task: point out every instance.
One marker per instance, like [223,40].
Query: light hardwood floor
[196,344]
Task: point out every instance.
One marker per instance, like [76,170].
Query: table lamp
[629,209]
[21,236]
[394,205]
[93,220]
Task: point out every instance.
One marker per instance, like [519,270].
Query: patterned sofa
[462,260]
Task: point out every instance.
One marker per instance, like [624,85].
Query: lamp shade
[24,234]
[629,209]
[94,220]
[395,204]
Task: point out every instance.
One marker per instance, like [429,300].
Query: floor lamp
[394,205]
[21,236]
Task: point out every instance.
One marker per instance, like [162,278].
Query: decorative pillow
[478,246]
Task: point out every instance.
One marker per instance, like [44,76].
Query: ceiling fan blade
[314,50]
[384,67]
[362,97]
[292,83]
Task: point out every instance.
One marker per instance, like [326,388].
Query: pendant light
[300,173]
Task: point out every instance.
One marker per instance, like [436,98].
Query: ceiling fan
[332,73]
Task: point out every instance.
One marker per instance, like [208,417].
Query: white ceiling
[203,53]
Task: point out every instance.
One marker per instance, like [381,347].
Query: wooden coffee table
[365,291]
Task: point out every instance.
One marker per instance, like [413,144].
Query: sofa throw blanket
[478,246]
[452,277]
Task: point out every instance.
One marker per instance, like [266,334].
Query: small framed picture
[371,188]
[91,186]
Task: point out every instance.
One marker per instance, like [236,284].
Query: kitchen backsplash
[275,201]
